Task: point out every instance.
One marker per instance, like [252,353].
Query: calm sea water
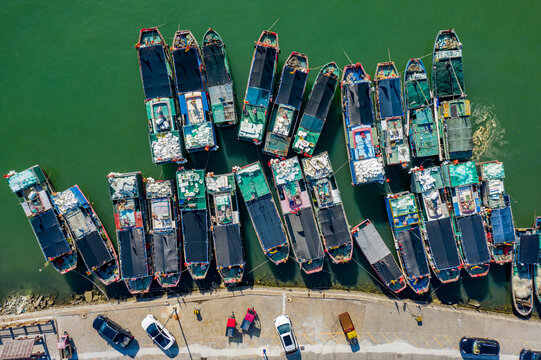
[73,102]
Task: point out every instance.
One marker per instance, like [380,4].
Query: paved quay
[387,329]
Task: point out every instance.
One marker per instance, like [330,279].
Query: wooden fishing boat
[263,213]
[286,108]
[461,181]
[127,193]
[330,215]
[423,132]
[451,109]
[219,80]
[537,267]
[259,91]
[224,209]
[437,228]
[197,127]
[298,214]
[164,236]
[361,134]
[497,214]
[157,78]
[526,257]
[34,191]
[90,236]
[315,112]
[390,111]
[379,256]
[194,219]
[403,214]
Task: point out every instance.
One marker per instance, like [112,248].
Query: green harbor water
[72,101]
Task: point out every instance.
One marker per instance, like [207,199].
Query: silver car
[286,334]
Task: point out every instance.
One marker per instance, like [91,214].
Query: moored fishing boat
[285,109]
[330,214]
[34,191]
[259,90]
[90,236]
[198,129]
[526,257]
[537,267]
[263,212]
[451,109]
[298,214]
[423,131]
[164,236]
[390,111]
[194,219]
[404,219]
[362,140]
[157,79]
[127,193]
[315,113]
[498,215]
[224,209]
[461,180]
[437,228]
[219,80]
[379,256]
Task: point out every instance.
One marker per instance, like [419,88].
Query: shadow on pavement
[172,351]
[295,356]
[130,351]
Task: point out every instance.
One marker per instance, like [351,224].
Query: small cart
[231,326]
[248,319]
[64,346]
[347,327]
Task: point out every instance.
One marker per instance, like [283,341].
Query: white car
[286,334]
[157,332]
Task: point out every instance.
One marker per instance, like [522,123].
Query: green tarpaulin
[448,78]
[417,93]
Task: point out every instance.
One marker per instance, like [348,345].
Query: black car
[530,355]
[480,347]
[112,332]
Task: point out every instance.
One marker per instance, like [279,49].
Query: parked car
[112,332]
[480,347]
[529,355]
[157,332]
[286,334]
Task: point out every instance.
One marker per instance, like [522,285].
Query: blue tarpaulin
[502,225]
[390,98]
[257,97]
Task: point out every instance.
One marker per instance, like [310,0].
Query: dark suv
[530,355]
[479,347]
[112,332]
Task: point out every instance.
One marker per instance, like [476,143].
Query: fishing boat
[34,191]
[451,107]
[437,228]
[157,77]
[219,80]
[298,214]
[260,87]
[315,112]
[263,213]
[423,131]
[447,69]
[379,256]
[224,209]
[197,126]
[127,193]
[537,267]
[403,214]
[286,108]
[498,215]
[362,140]
[91,238]
[164,236]
[461,181]
[390,111]
[526,257]
[194,219]
[330,214]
